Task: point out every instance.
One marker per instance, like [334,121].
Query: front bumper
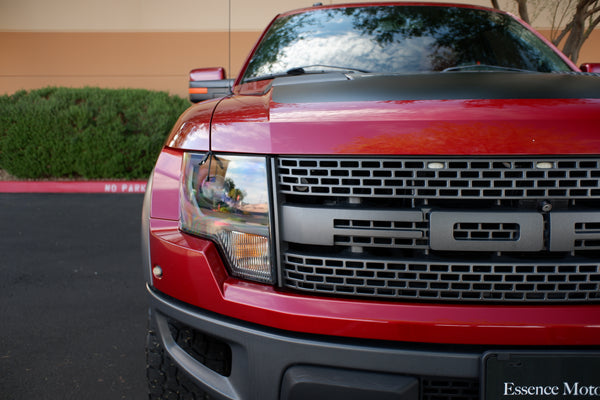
[269,364]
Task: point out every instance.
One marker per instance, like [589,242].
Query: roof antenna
[229,41]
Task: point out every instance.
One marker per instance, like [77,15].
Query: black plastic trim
[318,383]
[437,86]
[261,355]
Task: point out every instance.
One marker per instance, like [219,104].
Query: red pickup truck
[391,201]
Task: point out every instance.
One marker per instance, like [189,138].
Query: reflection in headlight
[226,198]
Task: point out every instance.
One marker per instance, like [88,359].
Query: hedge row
[88,133]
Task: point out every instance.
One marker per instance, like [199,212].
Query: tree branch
[558,17]
[564,32]
[591,28]
[592,12]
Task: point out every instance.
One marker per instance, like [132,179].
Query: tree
[572,20]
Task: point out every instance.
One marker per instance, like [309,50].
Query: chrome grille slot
[486,231]
[381,233]
[592,230]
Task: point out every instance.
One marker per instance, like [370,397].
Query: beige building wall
[137,43]
[151,60]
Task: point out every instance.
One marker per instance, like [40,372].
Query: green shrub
[89,133]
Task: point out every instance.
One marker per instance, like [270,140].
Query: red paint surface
[165,186]
[256,124]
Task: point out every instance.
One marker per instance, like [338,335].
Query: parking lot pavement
[72,305]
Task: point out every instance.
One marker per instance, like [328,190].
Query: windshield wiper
[324,69]
[303,70]
[484,67]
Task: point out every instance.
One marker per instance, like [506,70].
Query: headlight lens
[226,198]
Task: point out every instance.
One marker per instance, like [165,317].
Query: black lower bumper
[269,364]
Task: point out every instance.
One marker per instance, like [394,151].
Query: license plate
[540,376]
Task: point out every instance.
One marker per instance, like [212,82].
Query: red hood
[520,114]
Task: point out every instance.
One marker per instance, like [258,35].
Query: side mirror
[590,67]
[208,83]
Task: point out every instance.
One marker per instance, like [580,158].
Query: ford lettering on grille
[480,230]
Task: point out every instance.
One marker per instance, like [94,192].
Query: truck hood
[429,114]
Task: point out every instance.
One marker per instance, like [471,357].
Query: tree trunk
[575,37]
[523,12]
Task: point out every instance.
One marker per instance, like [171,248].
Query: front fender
[192,129]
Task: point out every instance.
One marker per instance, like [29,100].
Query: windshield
[399,39]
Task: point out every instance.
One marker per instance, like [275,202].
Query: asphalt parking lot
[72,305]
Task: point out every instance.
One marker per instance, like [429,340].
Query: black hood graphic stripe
[436,86]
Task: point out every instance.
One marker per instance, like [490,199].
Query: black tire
[165,380]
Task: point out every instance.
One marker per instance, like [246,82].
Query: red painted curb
[72,186]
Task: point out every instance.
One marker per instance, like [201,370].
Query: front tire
[166,381]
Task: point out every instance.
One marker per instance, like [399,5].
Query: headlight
[226,199]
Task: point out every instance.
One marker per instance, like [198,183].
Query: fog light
[157,271]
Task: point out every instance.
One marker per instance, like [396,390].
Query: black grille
[441,179]
[446,281]
[449,389]
[379,238]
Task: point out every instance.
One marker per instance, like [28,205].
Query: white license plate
[540,375]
